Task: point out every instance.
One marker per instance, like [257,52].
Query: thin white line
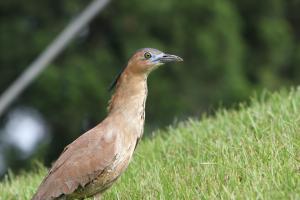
[50,53]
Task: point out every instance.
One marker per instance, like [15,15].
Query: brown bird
[95,160]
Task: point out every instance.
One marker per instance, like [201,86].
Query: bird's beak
[166,58]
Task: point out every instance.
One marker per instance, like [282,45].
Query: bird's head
[147,59]
[144,61]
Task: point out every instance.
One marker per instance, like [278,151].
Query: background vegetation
[231,49]
[253,153]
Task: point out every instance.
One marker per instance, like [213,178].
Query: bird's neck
[130,96]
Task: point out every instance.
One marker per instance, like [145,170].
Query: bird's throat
[130,96]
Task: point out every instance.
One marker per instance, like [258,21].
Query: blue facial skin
[157,57]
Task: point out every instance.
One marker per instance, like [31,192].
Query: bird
[95,160]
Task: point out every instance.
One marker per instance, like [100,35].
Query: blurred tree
[230,48]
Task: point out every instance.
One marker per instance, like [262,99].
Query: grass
[249,153]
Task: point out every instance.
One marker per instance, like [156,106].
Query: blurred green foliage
[230,48]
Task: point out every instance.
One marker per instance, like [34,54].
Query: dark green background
[230,49]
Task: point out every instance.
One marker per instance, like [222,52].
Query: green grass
[249,153]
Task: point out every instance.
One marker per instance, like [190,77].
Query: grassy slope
[253,153]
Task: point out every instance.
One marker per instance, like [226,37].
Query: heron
[95,160]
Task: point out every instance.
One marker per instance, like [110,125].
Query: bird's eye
[147,55]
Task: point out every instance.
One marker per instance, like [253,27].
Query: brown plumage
[91,163]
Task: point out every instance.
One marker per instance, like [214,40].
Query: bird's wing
[81,162]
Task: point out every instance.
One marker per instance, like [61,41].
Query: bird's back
[88,161]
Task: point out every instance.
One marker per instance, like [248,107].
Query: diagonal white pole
[50,53]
